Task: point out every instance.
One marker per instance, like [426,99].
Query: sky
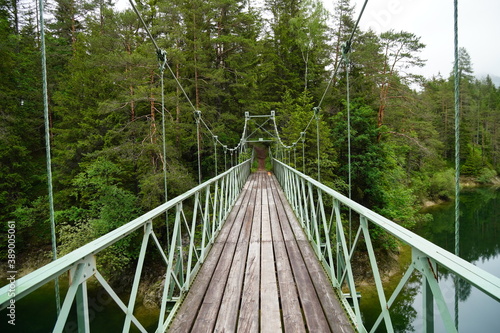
[432,20]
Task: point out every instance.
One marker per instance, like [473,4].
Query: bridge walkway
[261,273]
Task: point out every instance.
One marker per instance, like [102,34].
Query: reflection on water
[36,313]
[479,244]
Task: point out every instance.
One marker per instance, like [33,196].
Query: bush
[441,185]
[486,175]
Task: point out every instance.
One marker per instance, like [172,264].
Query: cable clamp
[346,48]
[162,58]
[197,115]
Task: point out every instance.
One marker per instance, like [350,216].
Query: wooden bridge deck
[261,273]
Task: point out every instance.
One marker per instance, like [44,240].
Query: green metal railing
[319,210]
[199,216]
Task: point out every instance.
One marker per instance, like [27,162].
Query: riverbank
[465,183]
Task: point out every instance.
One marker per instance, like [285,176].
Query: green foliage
[441,185]
[231,58]
[486,176]
[474,163]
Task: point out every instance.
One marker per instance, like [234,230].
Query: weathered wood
[331,306]
[261,274]
[209,309]
[228,312]
[293,321]
[187,313]
[270,307]
[250,301]
[311,305]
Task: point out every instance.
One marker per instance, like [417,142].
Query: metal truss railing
[199,216]
[319,210]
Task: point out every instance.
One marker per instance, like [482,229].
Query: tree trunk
[16,16]
[132,103]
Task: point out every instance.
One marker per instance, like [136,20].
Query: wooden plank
[249,312]
[293,321]
[192,307]
[270,307]
[188,311]
[209,309]
[261,260]
[332,308]
[311,306]
[228,312]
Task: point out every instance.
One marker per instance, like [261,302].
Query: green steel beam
[49,272]
[484,281]
[219,199]
[426,255]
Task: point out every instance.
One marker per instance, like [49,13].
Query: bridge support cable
[48,150]
[215,153]
[162,60]
[198,139]
[345,55]
[457,155]
[316,115]
[348,43]
[303,139]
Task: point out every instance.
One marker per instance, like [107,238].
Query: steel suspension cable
[316,114]
[457,156]
[162,52]
[348,43]
[198,139]
[303,137]
[346,59]
[215,152]
[162,59]
[47,149]
[158,49]
[457,134]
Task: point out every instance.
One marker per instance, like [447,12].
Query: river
[479,244]
[479,240]
[36,313]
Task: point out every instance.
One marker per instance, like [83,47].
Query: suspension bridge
[253,251]
[262,251]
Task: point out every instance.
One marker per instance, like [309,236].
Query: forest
[231,57]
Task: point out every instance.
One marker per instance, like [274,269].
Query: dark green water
[36,313]
[479,244]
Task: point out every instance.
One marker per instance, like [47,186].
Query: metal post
[428,304]
[135,285]
[82,308]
